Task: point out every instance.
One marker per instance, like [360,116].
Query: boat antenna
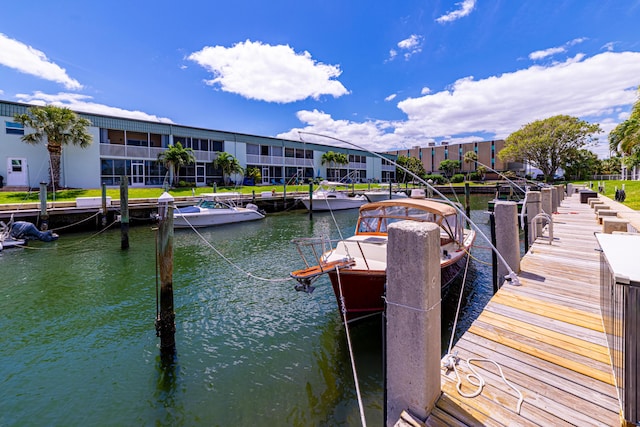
[511,276]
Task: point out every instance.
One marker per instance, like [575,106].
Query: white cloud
[409,46]
[81,103]
[496,106]
[465,8]
[540,54]
[391,97]
[409,43]
[268,73]
[26,59]
[609,46]
[425,90]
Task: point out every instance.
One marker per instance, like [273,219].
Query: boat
[215,209]
[327,198]
[357,265]
[383,194]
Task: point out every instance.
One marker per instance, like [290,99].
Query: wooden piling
[124,212]
[534,207]
[547,204]
[413,309]
[311,200]
[103,216]
[165,322]
[44,215]
[467,199]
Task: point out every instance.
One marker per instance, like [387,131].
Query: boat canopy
[375,217]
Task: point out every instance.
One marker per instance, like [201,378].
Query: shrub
[457,178]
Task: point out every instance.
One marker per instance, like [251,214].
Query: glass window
[13,128]
[276,151]
[264,150]
[253,149]
[288,152]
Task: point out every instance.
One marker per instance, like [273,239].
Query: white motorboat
[215,209]
[382,194]
[328,198]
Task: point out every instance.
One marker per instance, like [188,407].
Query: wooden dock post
[413,308]
[311,200]
[44,215]
[534,207]
[124,212]
[547,204]
[165,320]
[103,216]
[467,198]
[507,239]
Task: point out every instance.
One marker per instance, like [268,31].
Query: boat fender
[252,206]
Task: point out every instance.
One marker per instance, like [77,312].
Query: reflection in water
[248,349]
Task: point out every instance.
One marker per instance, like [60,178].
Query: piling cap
[166,198]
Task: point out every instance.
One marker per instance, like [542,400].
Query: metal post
[124,212]
[467,199]
[494,256]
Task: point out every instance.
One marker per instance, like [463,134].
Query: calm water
[78,342]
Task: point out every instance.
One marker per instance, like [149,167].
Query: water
[79,344]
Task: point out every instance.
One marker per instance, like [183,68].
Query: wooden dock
[547,335]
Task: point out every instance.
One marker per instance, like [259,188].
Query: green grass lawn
[632,189]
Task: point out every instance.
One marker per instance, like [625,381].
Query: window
[13,128]
[288,152]
[253,149]
[264,150]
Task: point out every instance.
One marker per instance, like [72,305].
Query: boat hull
[364,290]
[333,204]
[209,219]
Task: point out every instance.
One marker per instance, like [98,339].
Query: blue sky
[381,74]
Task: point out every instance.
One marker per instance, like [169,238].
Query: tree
[59,126]
[175,157]
[228,164]
[413,164]
[547,144]
[254,174]
[581,164]
[449,166]
[333,159]
[625,137]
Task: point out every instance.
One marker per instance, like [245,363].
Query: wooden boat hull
[364,290]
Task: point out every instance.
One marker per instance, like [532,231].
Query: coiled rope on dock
[450,360]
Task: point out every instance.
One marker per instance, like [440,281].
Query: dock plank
[547,335]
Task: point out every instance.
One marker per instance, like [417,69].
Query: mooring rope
[70,245]
[231,263]
[450,360]
[76,223]
[343,311]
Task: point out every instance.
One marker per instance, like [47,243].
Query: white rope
[343,310]
[422,310]
[231,263]
[450,360]
[76,223]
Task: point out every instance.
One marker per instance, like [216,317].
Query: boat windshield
[378,220]
[212,204]
[375,221]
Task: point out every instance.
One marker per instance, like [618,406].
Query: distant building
[487,151]
[128,147]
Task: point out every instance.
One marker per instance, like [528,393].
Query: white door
[265,174]
[17,172]
[137,173]
[200,174]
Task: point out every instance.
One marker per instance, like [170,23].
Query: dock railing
[619,303]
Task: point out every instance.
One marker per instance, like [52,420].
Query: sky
[377,75]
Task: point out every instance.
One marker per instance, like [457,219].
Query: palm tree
[228,164]
[333,159]
[59,126]
[176,156]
